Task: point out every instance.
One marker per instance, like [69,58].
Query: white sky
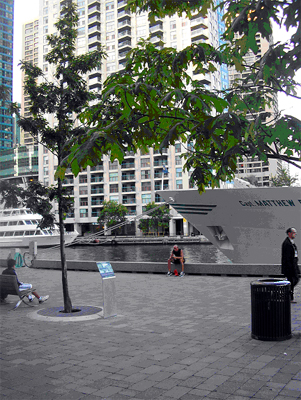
[27,10]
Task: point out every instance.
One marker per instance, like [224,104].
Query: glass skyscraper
[6,72]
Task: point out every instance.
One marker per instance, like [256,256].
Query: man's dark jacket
[289,263]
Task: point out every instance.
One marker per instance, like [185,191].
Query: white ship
[247,225]
[19,227]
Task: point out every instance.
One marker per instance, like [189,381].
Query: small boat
[20,226]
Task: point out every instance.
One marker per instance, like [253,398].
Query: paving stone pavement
[173,338]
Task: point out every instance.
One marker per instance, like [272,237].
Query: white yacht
[19,226]
[248,225]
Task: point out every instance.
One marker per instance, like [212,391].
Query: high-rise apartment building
[30,54]
[6,72]
[134,181]
[253,167]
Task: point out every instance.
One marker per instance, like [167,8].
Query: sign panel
[105,269]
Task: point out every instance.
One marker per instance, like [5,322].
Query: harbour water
[193,253]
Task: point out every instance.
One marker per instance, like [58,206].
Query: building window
[145,174]
[46,171]
[178,160]
[113,176]
[83,213]
[179,184]
[83,202]
[110,26]
[113,165]
[83,190]
[110,15]
[83,179]
[110,5]
[178,172]
[173,24]
[114,188]
[145,186]
[146,198]
[178,147]
[114,198]
[111,67]
[145,162]
[45,29]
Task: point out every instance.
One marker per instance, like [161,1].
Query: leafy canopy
[112,214]
[156,220]
[155,101]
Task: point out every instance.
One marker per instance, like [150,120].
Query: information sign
[105,269]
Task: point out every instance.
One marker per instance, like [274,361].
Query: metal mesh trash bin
[271,309]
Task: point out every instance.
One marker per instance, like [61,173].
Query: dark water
[193,253]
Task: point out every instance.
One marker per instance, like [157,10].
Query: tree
[252,179]
[63,98]
[159,218]
[112,214]
[157,101]
[35,196]
[283,178]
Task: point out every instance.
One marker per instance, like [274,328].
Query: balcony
[156,28]
[129,200]
[121,3]
[93,39]
[124,24]
[128,188]
[97,201]
[199,21]
[125,33]
[122,54]
[68,181]
[94,28]
[125,165]
[157,38]
[94,8]
[96,179]
[125,44]
[94,18]
[199,34]
[160,153]
[123,13]
[128,177]
[160,163]
[98,167]
[96,190]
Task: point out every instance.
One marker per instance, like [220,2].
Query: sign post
[108,288]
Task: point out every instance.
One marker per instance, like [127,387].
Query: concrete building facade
[6,72]
[134,182]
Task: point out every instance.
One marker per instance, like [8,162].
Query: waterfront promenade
[173,338]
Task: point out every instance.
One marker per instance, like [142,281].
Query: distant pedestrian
[289,260]
[176,257]
[10,270]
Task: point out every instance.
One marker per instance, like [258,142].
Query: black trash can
[271,309]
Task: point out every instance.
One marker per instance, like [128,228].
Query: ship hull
[247,225]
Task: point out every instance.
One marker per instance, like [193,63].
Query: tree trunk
[67,300]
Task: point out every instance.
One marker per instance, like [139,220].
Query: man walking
[289,260]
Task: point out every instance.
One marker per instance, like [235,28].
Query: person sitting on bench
[10,270]
[176,257]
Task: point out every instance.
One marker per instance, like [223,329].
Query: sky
[27,10]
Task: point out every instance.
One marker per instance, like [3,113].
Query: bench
[9,285]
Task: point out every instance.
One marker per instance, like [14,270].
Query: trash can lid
[271,281]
